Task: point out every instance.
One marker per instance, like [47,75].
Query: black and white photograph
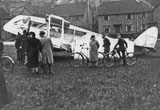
[79,55]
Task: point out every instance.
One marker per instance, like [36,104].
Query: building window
[143,15]
[129,16]
[106,17]
[76,18]
[129,28]
[143,27]
[107,29]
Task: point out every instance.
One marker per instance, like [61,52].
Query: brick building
[75,13]
[125,17]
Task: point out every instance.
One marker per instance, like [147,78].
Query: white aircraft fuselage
[62,33]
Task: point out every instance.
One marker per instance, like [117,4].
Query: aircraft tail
[147,39]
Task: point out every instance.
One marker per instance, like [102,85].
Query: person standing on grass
[122,48]
[33,52]
[23,41]
[106,44]
[1,50]
[47,54]
[24,47]
[93,57]
[18,46]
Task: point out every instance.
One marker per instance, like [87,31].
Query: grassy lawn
[118,88]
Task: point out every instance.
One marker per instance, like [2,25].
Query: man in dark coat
[19,44]
[122,48]
[24,47]
[1,50]
[106,44]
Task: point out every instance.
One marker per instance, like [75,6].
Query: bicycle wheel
[130,59]
[108,60]
[7,63]
[76,59]
[100,58]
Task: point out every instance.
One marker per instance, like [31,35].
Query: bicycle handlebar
[83,44]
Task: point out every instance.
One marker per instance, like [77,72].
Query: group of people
[35,52]
[121,47]
[31,51]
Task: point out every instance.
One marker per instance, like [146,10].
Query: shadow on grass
[149,56]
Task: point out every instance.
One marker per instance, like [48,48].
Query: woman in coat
[94,45]
[33,52]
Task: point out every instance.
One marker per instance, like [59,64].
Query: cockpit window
[43,25]
[80,33]
[36,24]
[55,32]
[58,22]
[68,31]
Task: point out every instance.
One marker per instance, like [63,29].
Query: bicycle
[7,63]
[78,58]
[112,58]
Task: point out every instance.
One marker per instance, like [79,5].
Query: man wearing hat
[47,54]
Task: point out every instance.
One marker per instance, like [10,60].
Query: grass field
[118,88]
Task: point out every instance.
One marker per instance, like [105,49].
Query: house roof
[72,9]
[122,7]
[42,10]
[22,10]
[155,3]
[4,14]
